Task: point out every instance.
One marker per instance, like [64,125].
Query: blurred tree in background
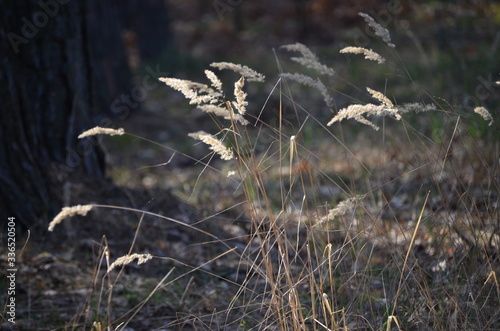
[62,64]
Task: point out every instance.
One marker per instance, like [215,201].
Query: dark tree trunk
[151,26]
[61,62]
[63,66]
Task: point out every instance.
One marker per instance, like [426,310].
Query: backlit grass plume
[359,112]
[380,97]
[216,82]
[415,107]
[223,112]
[341,209]
[379,30]
[250,74]
[197,93]
[241,102]
[126,259]
[308,59]
[485,114]
[311,82]
[215,144]
[211,99]
[368,53]
[98,130]
[69,212]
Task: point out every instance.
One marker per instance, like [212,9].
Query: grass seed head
[380,97]
[216,83]
[308,59]
[415,107]
[368,53]
[249,74]
[485,114]
[241,102]
[197,93]
[311,82]
[69,212]
[98,130]
[380,31]
[126,259]
[215,144]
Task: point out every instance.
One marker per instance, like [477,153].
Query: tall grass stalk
[330,212]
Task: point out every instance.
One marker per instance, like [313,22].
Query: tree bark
[150,22]
[58,71]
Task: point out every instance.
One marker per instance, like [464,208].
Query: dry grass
[397,231]
[368,53]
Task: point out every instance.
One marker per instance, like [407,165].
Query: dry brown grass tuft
[420,251]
